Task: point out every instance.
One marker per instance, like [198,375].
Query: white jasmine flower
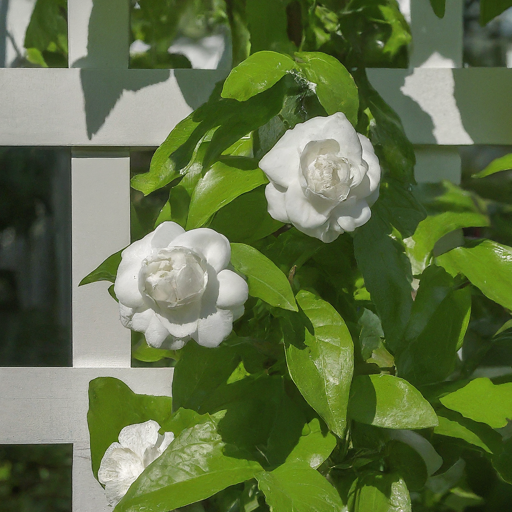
[174,286]
[324,176]
[139,445]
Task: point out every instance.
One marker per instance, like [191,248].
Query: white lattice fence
[99,108]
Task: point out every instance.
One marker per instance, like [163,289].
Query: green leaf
[382,493]
[370,340]
[256,74]
[335,86]
[439,7]
[225,181]
[173,154]
[221,122]
[454,425]
[433,228]
[266,281]
[107,271]
[298,488]
[143,352]
[322,367]
[246,219]
[199,372]
[482,401]
[267,21]
[314,446]
[194,467]
[113,406]
[436,329]
[489,9]
[48,28]
[503,462]
[503,163]
[387,275]
[389,402]
[487,264]
[408,463]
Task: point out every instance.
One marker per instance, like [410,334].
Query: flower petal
[276,202]
[233,290]
[139,437]
[156,333]
[212,245]
[214,328]
[350,217]
[181,322]
[371,159]
[165,233]
[126,286]
[135,319]
[300,211]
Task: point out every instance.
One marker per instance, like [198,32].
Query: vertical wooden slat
[98,38]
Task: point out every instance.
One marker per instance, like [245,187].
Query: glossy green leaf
[433,228]
[246,219]
[256,74]
[173,155]
[481,400]
[314,446]
[298,488]
[503,163]
[370,340]
[454,425]
[387,275]
[382,493]
[107,271]
[143,352]
[199,372]
[322,367]
[335,86]
[221,122]
[390,402]
[436,329]
[487,264]
[113,406]
[489,9]
[265,280]
[439,7]
[194,467]
[225,181]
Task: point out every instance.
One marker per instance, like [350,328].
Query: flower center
[173,277]
[329,175]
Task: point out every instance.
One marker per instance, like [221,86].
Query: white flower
[139,445]
[173,286]
[324,176]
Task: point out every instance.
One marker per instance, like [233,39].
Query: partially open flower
[139,445]
[324,176]
[174,286]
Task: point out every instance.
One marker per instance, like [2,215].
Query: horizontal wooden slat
[138,108]
[92,107]
[49,405]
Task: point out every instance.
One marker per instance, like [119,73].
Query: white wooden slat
[92,107]
[49,405]
[46,107]
[98,33]
[437,43]
[100,198]
[56,412]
